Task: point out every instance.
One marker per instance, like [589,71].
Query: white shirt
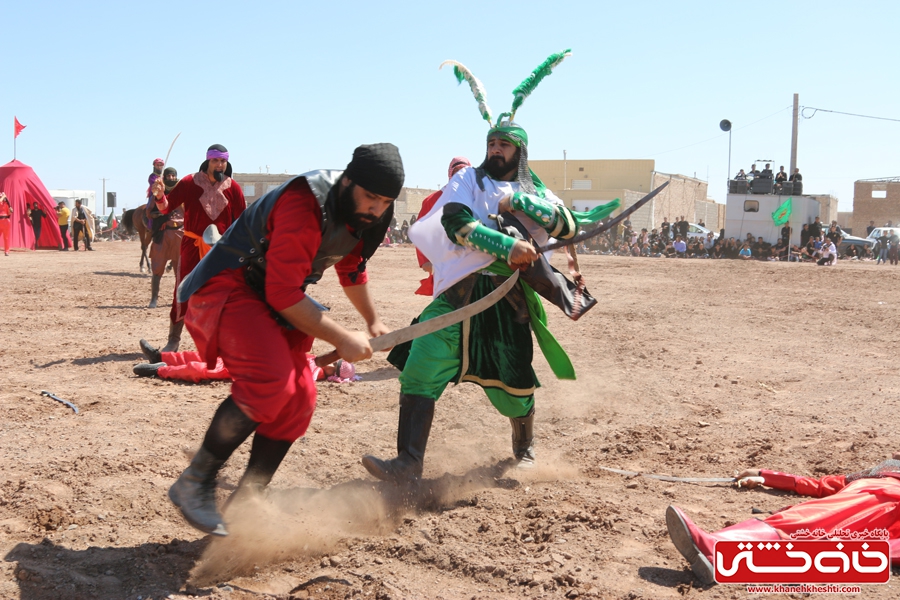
[452,262]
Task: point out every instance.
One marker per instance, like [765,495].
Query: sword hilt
[327,359]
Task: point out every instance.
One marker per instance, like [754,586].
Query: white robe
[452,262]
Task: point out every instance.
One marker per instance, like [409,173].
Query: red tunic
[271,379]
[426,286]
[188,193]
[864,504]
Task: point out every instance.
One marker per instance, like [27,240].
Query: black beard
[346,211]
[498,168]
[219,175]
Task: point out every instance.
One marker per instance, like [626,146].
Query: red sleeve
[349,265]
[238,204]
[295,234]
[176,197]
[804,486]
[427,204]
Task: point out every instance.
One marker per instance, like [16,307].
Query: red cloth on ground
[426,286]
[190,366]
[187,194]
[271,378]
[865,504]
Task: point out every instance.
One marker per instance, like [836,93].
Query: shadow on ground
[46,570]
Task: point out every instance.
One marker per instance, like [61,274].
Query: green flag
[783,213]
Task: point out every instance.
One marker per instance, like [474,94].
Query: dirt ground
[686,367]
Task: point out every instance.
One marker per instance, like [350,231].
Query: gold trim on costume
[491,383]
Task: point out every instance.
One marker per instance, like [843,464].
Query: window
[272,186]
[581,184]
[879,193]
[249,189]
[581,169]
[751,205]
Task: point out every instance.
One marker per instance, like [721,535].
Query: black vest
[245,243]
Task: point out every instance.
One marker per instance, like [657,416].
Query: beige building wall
[877,201]
[565,175]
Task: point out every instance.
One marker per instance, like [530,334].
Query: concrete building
[583,184]
[875,200]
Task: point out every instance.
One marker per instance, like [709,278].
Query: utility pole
[103,198]
[565,171]
[794,134]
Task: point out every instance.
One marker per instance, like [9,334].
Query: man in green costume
[484,225]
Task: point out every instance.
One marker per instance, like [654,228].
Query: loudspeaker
[798,187]
[110,199]
[739,186]
[787,188]
[762,186]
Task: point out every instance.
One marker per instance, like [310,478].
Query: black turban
[377,168]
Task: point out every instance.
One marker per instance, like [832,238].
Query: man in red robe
[248,306]
[211,198]
[866,500]
[426,286]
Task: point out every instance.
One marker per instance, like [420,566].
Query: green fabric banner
[783,213]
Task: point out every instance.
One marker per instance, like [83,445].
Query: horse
[134,222]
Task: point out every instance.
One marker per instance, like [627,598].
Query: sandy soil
[692,368]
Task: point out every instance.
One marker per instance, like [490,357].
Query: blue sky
[103,87]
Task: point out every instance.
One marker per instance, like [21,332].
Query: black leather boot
[523,439]
[147,369]
[266,455]
[416,415]
[150,353]
[154,290]
[174,336]
[195,491]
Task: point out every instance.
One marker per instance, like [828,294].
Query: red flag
[18,127]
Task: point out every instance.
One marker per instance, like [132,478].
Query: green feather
[462,73]
[531,82]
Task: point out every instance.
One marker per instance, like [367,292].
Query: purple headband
[210,154]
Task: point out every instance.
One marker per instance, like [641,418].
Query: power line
[721,134]
[837,112]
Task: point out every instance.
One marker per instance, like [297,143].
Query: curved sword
[166,162]
[606,226]
[670,478]
[399,336]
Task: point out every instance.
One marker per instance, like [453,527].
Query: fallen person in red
[866,500]
[190,366]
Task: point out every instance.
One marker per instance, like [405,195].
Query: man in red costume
[6,213]
[248,305]
[211,199]
[426,286]
[866,500]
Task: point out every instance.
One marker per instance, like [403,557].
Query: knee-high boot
[195,491]
[416,415]
[696,545]
[523,439]
[154,290]
[266,455]
[174,336]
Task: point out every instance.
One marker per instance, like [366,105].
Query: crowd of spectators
[818,243]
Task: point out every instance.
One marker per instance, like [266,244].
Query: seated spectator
[781,176]
[645,249]
[828,253]
[635,250]
[796,176]
[779,250]
[623,250]
[753,173]
[709,241]
[741,176]
[851,253]
[716,250]
[766,173]
[761,248]
[746,253]
[680,247]
[809,251]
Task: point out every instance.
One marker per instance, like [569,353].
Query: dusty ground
[686,367]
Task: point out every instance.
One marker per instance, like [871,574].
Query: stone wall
[881,210]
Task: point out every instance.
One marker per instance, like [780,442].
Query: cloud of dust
[285,524]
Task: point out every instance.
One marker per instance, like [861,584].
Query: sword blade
[407,334]
[670,478]
[606,226]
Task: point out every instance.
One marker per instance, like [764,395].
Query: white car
[880,231]
[698,231]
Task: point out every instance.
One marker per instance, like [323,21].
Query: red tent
[22,186]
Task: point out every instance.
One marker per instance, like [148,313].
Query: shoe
[416,416]
[150,353]
[195,493]
[523,440]
[147,369]
[682,532]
